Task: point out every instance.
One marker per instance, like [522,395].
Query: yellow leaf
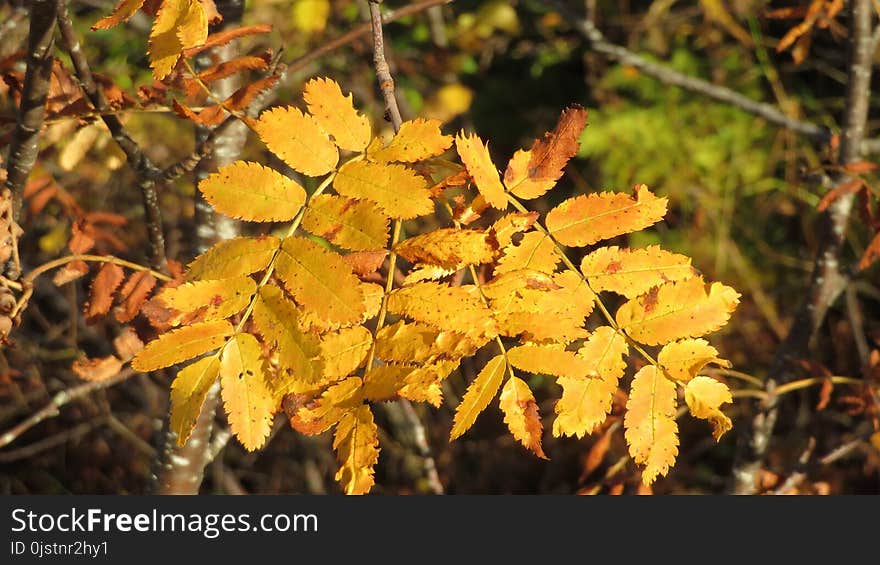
[342,352]
[320,414]
[584,220]
[247,396]
[298,140]
[475,156]
[212,300]
[511,224]
[123,10]
[320,281]
[651,429]
[419,274]
[532,173]
[356,442]
[423,383]
[416,141]
[181,344]
[336,114]
[179,24]
[252,192]
[704,396]
[585,403]
[352,224]
[683,359]
[457,309]
[382,383]
[310,16]
[521,415]
[535,251]
[549,360]
[448,248]
[413,342]
[398,190]
[276,319]
[504,285]
[448,101]
[188,392]
[632,272]
[478,395]
[233,257]
[676,310]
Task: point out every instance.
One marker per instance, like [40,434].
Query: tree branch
[828,279]
[383,71]
[144,169]
[23,146]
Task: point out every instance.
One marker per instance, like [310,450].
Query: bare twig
[383,71]
[144,169]
[23,146]
[48,443]
[828,279]
[60,399]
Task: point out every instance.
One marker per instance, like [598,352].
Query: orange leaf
[859,167]
[99,369]
[123,10]
[101,296]
[133,294]
[832,195]
[521,415]
[871,254]
[237,65]
[532,173]
[242,97]
[70,272]
[209,116]
[584,220]
[225,36]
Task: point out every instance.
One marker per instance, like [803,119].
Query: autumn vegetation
[343,282]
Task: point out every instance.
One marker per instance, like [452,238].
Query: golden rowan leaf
[342,352]
[320,281]
[704,396]
[683,360]
[413,342]
[632,272]
[535,251]
[336,114]
[585,403]
[459,309]
[423,383]
[188,392]
[277,319]
[356,442]
[252,192]
[511,224]
[179,24]
[521,415]
[416,141]
[586,219]
[181,344]
[651,429]
[478,395]
[247,396]
[530,174]
[550,360]
[233,257]
[322,413]
[352,224]
[677,310]
[382,383]
[448,248]
[475,156]
[298,140]
[398,190]
[123,10]
[427,273]
[211,300]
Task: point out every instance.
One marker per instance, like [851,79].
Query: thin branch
[383,71]
[144,169]
[361,31]
[828,279]
[60,399]
[23,147]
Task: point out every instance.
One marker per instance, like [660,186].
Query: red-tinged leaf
[832,195]
[99,369]
[824,395]
[860,167]
[81,241]
[364,263]
[596,455]
[133,294]
[70,272]
[209,116]
[101,217]
[237,65]
[127,344]
[124,10]
[101,297]
[242,97]
[224,37]
[871,254]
